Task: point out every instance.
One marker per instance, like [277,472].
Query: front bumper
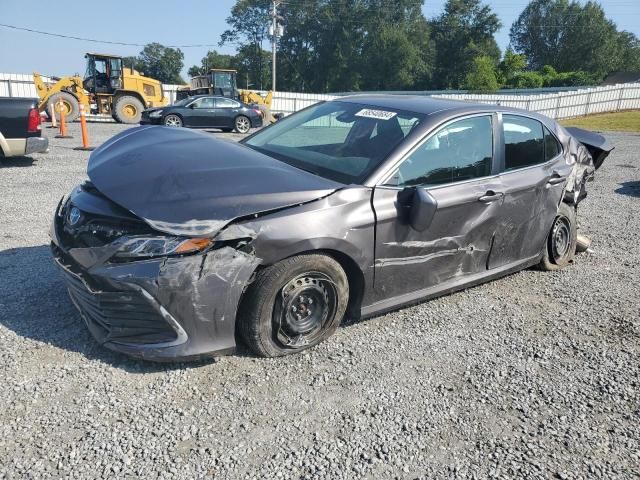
[160,309]
[146,120]
[36,145]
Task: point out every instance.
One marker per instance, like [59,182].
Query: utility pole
[275,31]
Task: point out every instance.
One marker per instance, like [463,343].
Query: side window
[552,147]
[523,142]
[205,102]
[226,103]
[462,150]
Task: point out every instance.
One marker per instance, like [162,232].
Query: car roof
[418,103]
[209,95]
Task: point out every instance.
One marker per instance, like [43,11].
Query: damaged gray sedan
[180,245]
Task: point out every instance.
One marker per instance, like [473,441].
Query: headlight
[155,114]
[147,247]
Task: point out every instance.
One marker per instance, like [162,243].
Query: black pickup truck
[20,132]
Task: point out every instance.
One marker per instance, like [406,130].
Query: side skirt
[446,288]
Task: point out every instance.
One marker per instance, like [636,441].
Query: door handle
[555,179]
[491,197]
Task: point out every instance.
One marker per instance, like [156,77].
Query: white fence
[567,104]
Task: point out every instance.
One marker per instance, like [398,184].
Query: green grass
[617,122]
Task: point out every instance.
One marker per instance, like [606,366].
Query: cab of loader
[103,74]
[216,81]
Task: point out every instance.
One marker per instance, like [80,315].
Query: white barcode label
[377,114]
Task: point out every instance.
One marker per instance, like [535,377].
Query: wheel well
[355,277]
[351,269]
[128,93]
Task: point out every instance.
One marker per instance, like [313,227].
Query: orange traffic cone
[85,134]
[63,125]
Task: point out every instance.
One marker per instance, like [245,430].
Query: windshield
[342,141]
[183,102]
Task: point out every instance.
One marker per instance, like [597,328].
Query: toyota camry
[180,245]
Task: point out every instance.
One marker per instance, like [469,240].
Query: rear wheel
[242,124]
[293,305]
[560,247]
[172,120]
[70,106]
[128,109]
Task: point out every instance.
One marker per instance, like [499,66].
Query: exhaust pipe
[583,243]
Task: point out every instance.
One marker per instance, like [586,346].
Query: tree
[462,33]
[159,62]
[511,65]
[248,24]
[398,52]
[572,37]
[212,59]
[482,75]
[339,45]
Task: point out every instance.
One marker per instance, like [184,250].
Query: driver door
[456,169]
[202,112]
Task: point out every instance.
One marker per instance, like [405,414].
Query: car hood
[190,183]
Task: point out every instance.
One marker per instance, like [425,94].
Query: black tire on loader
[71,105]
[127,109]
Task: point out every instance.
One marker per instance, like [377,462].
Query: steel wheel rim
[242,124]
[303,308]
[66,105]
[130,110]
[172,121]
[560,239]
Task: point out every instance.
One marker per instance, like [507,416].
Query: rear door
[534,173]
[226,111]
[456,166]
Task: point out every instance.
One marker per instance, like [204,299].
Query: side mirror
[420,207]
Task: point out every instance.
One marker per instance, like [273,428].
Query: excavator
[108,87]
[223,82]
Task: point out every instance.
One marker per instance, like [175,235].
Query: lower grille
[123,317]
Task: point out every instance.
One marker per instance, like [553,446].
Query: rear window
[552,147]
[523,142]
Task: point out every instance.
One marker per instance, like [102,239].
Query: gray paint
[264,211]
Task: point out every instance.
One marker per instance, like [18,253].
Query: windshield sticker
[377,114]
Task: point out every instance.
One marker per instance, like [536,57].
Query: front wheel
[173,121]
[293,305]
[560,247]
[242,124]
[128,109]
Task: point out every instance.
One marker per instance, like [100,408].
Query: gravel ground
[534,375]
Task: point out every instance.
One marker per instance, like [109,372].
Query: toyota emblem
[74,216]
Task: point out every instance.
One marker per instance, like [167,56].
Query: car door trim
[450,286]
[390,170]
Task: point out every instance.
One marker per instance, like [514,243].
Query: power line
[93,40]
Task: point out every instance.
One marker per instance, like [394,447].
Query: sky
[169,22]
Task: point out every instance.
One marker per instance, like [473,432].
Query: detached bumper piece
[128,318]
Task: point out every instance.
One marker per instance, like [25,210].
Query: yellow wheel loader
[224,83]
[107,88]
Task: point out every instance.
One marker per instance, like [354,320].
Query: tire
[172,120]
[127,109]
[560,247]
[242,124]
[70,102]
[293,305]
